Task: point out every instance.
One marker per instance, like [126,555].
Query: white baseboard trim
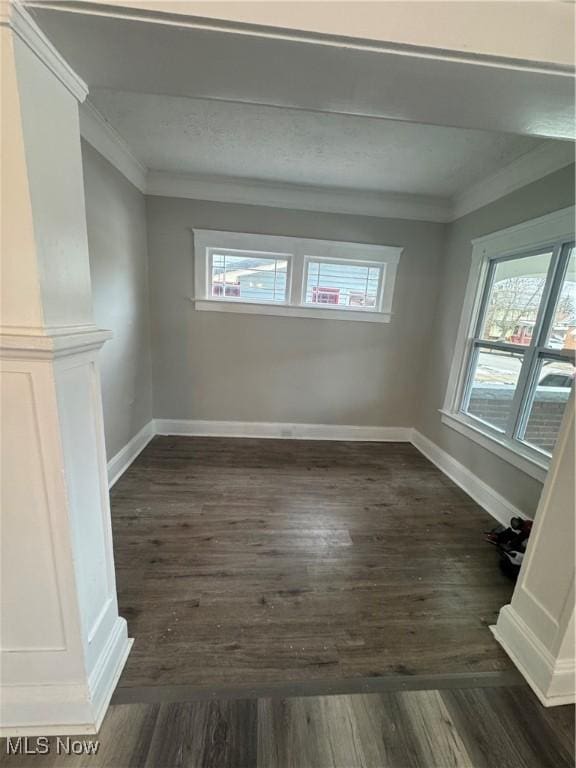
[495,504]
[106,673]
[119,463]
[289,431]
[553,682]
[67,710]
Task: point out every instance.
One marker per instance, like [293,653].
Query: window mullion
[297,269]
[523,386]
[519,400]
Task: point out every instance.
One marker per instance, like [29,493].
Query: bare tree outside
[513,300]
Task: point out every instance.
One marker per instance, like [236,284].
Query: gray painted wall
[544,196]
[224,366]
[116,218]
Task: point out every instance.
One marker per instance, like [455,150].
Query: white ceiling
[212,138]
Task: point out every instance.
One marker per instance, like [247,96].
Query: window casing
[513,369]
[288,276]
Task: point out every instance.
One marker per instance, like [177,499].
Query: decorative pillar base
[63,643]
[552,680]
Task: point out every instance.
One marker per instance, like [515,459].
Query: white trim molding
[298,253]
[302,197]
[295,431]
[545,159]
[282,310]
[59,672]
[17,18]
[187,19]
[539,162]
[98,132]
[552,680]
[489,499]
[68,341]
[537,628]
[120,462]
[529,234]
[495,504]
[73,709]
[552,230]
[528,462]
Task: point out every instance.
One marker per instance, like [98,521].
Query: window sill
[284,310]
[525,460]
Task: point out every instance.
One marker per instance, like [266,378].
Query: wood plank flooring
[244,562]
[472,728]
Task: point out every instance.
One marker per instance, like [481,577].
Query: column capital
[40,346]
[14,16]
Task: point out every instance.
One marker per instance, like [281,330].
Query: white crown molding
[299,197]
[16,18]
[546,158]
[105,139]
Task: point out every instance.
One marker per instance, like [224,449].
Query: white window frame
[298,252]
[523,239]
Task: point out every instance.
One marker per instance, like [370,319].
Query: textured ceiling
[289,145]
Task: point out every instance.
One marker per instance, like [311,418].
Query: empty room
[288,359]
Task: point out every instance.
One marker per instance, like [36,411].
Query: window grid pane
[354,286]
[493,383]
[249,277]
[547,399]
[514,298]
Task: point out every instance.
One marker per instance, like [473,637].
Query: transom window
[238,272]
[519,360]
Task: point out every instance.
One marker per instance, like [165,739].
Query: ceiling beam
[256,65]
[475,31]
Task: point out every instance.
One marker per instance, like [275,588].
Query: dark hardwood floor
[259,576]
[245,562]
[465,728]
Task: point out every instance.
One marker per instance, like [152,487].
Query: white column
[537,628]
[63,644]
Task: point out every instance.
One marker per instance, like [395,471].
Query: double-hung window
[290,276]
[515,362]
